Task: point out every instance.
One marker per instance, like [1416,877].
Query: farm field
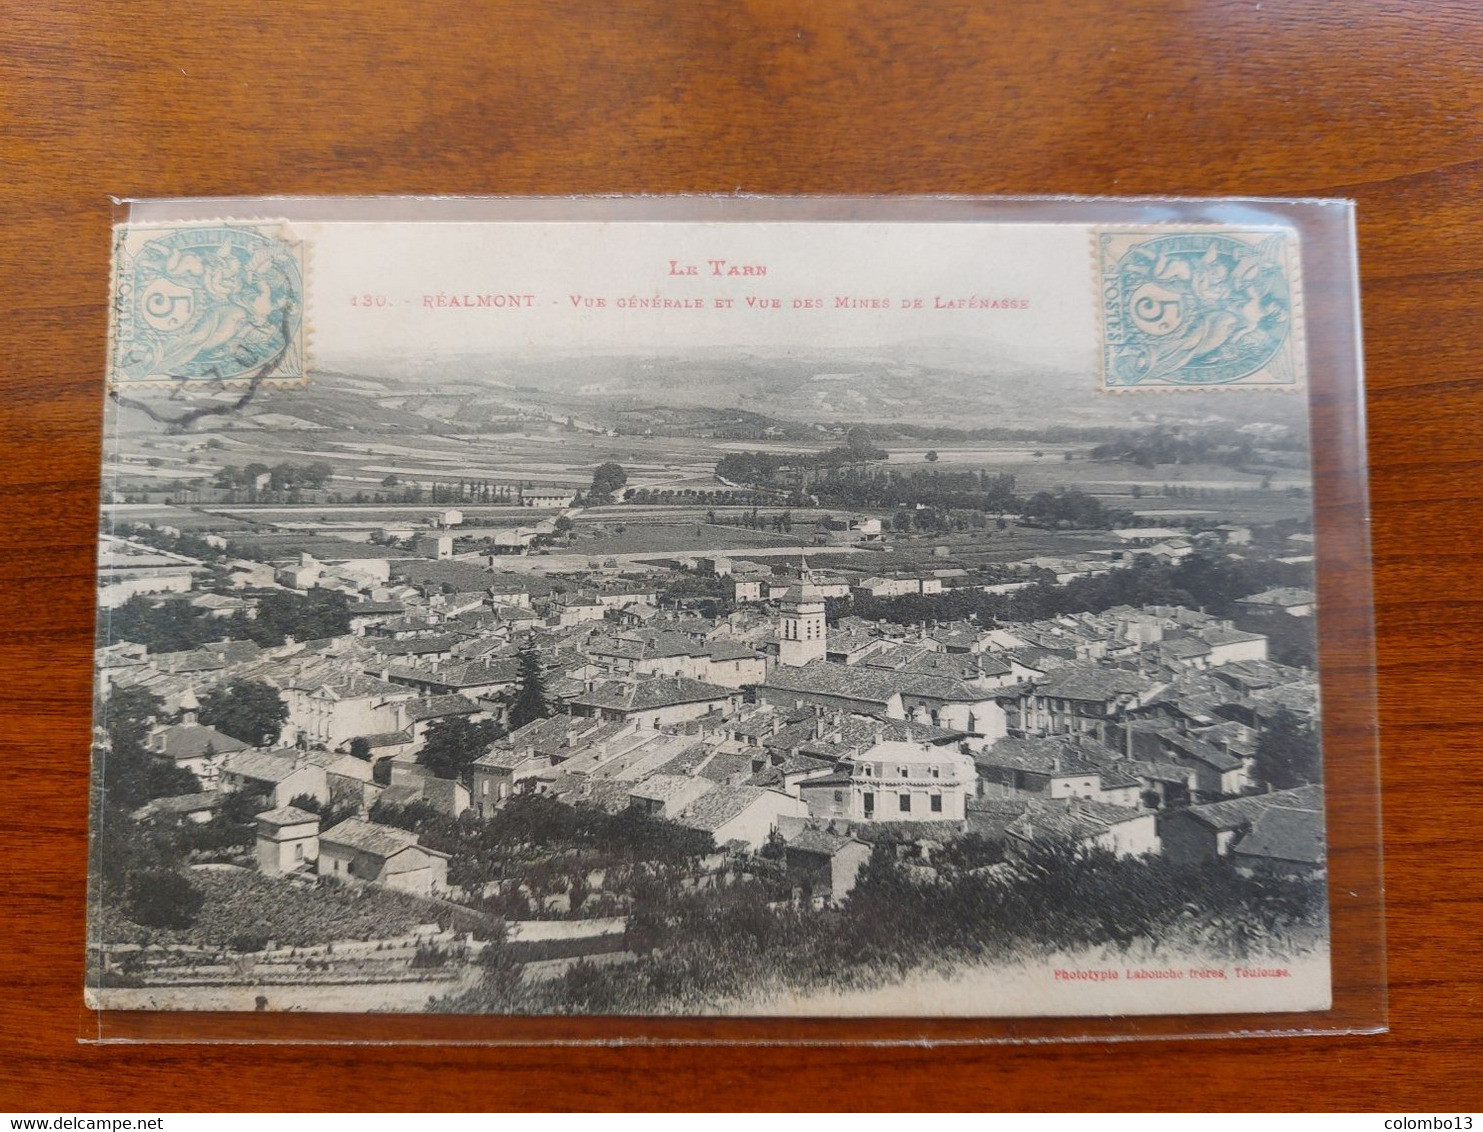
[990,455]
[977,547]
[638,537]
[1093,475]
[1236,507]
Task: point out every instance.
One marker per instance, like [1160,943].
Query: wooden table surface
[1379,101]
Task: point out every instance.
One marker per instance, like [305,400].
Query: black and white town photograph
[698,622]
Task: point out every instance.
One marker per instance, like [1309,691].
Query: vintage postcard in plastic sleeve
[711,616]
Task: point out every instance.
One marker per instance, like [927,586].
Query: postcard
[772,617]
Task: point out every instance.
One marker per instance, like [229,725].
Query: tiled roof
[460,673]
[263,766]
[645,695]
[823,677]
[190,740]
[819,841]
[417,646]
[1300,698]
[1195,748]
[1220,635]
[389,738]
[716,807]
[1042,756]
[680,788]
[1040,658]
[579,789]
[1234,813]
[1282,597]
[854,731]
[351,686]
[723,649]
[370,837]
[646,644]
[725,766]
[850,640]
[503,758]
[439,707]
[1184,647]
[1092,682]
[1282,834]
[287,815]
[1069,819]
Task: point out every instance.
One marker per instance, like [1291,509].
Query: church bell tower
[802,632]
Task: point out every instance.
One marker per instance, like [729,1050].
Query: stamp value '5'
[206,304]
[1199,308]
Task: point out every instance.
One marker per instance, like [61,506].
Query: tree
[171,625]
[530,696]
[453,743]
[1287,753]
[607,479]
[249,710]
[130,772]
[862,445]
[328,813]
[932,457]
[360,748]
[129,713]
[160,898]
[304,617]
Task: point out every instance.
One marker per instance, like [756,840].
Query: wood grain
[1381,102]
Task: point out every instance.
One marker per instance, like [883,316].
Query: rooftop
[645,695]
[824,677]
[1235,813]
[370,837]
[287,815]
[716,807]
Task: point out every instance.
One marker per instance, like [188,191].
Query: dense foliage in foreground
[696,949]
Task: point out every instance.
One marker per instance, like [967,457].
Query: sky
[571,288]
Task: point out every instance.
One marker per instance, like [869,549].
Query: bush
[249,941]
[429,956]
[159,898]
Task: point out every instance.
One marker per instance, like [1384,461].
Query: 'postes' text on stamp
[198,304]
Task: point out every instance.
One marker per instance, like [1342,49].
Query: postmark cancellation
[207,304]
[1199,308]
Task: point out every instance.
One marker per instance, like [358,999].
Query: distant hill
[923,382]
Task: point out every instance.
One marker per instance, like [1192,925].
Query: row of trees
[1200,581]
[278,481]
[938,493]
[712,498]
[1210,445]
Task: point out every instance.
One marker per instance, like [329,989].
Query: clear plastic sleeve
[734,620]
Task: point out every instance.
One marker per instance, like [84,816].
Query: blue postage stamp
[1215,308]
[205,304]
